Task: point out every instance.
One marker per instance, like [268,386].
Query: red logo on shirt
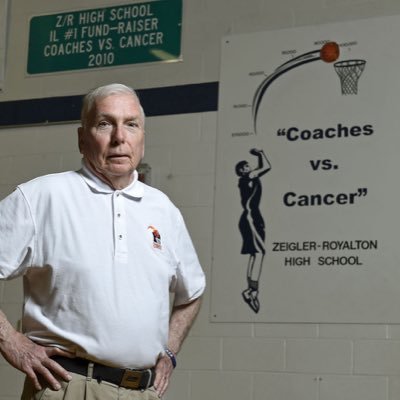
[156,237]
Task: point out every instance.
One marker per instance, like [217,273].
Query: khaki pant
[85,388]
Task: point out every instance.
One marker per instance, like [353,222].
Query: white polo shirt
[98,265]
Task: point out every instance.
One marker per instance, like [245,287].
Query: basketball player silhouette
[251,223]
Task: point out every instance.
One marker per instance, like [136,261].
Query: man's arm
[182,318]
[30,358]
[263,164]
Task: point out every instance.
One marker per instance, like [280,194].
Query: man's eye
[103,124]
[133,124]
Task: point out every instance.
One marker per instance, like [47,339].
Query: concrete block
[31,166]
[179,387]
[13,291]
[345,331]
[11,381]
[13,311]
[253,354]
[221,385]
[353,388]
[319,356]
[167,130]
[200,354]
[199,221]
[394,388]
[193,160]
[286,330]
[377,357]
[285,386]
[393,331]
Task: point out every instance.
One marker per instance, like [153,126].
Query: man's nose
[119,134]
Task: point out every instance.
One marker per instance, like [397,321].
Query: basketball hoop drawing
[349,71]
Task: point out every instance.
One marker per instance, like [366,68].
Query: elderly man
[99,252]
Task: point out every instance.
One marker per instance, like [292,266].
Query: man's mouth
[117,156]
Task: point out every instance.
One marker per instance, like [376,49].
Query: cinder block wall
[219,360]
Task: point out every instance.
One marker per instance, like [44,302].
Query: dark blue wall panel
[169,100]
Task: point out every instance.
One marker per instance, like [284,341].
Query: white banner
[307,187]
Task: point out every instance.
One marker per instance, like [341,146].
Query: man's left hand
[164,370]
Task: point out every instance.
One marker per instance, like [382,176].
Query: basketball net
[349,72]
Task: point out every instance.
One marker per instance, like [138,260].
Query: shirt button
[120,237]
[118,215]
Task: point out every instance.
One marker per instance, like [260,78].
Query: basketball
[330,52]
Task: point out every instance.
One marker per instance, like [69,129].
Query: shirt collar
[134,190]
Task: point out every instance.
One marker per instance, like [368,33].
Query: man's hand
[181,320]
[164,370]
[32,359]
[255,151]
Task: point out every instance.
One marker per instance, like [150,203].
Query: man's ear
[80,139]
[144,139]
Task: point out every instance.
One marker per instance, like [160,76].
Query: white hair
[102,92]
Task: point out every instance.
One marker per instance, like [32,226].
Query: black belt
[128,378]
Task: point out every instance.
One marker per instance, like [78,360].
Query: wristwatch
[171,356]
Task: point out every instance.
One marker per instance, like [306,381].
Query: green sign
[105,37]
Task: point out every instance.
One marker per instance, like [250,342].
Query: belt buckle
[131,379]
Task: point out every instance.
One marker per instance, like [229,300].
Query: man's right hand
[255,151]
[30,358]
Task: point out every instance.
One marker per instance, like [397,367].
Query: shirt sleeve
[17,235]
[190,282]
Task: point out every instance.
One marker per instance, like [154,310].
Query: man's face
[112,142]
[246,169]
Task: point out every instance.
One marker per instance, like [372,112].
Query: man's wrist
[6,329]
[171,356]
